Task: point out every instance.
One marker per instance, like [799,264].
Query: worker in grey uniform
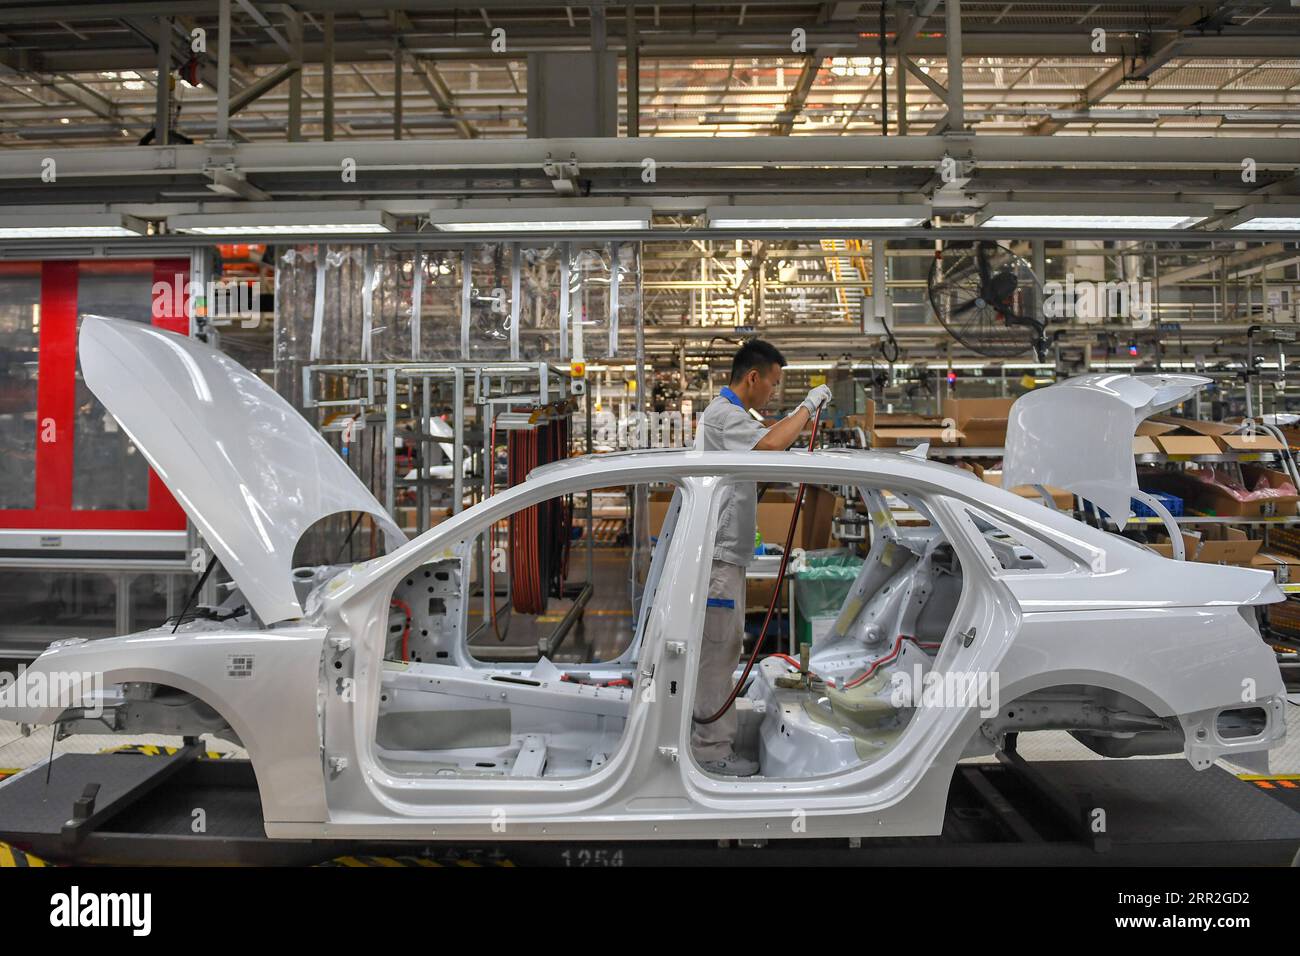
[727,425]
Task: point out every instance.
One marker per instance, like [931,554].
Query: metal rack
[406,390]
[411,385]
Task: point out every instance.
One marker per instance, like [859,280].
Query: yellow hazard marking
[1268,776]
[11,856]
[159,750]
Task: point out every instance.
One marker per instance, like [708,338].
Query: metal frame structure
[395,69]
[493,388]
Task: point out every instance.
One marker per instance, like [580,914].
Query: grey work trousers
[724,628]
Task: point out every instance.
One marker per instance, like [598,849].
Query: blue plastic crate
[1172,502]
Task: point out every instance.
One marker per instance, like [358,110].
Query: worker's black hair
[755,354]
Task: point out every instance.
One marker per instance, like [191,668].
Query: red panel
[56,402]
[163,509]
[55,391]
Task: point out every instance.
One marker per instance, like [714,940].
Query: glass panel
[489,304]
[109,473]
[37,607]
[539,304]
[20,322]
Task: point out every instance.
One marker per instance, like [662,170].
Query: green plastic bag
[820,589]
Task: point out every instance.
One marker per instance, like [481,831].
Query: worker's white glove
[818,397]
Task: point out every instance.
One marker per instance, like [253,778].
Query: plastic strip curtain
[368,305]
[318,307]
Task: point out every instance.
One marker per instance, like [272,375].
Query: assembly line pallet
[133,808]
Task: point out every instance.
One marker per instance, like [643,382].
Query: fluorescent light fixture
[1275,217]
[760,216]
[1066,215]
[58,225]
[579,217]
[297,223]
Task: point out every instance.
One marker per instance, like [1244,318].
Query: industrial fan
[988,298]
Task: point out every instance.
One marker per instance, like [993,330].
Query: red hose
[406,631]
[539,534]
[776,591]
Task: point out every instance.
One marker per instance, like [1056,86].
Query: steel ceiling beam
[1165,46]
[975,44]
[794,103]
[826,152]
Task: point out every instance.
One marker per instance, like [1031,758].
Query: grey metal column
[515,304]
[397,91]
[487,412]
[426,457]
[465,286]
[458,446]
[633,73]
[417,303]
[223,70]
[1038,248]
[162,119]
[956,110]
[390,440]
[640,339]
[293,27]
[900,93]
[122,600]
[327,78]
[591,499]
[566,255]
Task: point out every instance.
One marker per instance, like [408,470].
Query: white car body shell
[1169,635]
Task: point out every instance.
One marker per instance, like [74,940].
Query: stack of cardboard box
[1218,544]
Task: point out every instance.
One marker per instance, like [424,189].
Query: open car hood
[1078,434]
[250,471]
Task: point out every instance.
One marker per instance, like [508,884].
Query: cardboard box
[1217,545]
[820,505]
[1215,500]
[1064,499]
[1233,548]
[758,593]
[1191,541]
[1143,445]
[774,511]
[812,531]
[982,422]
[1193,426]
[1257,442]
[1188,445]
[1282,504]
[1181,436]
[1285,567]
[866,420]
[909,436]
[658,504]
[1149,428]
